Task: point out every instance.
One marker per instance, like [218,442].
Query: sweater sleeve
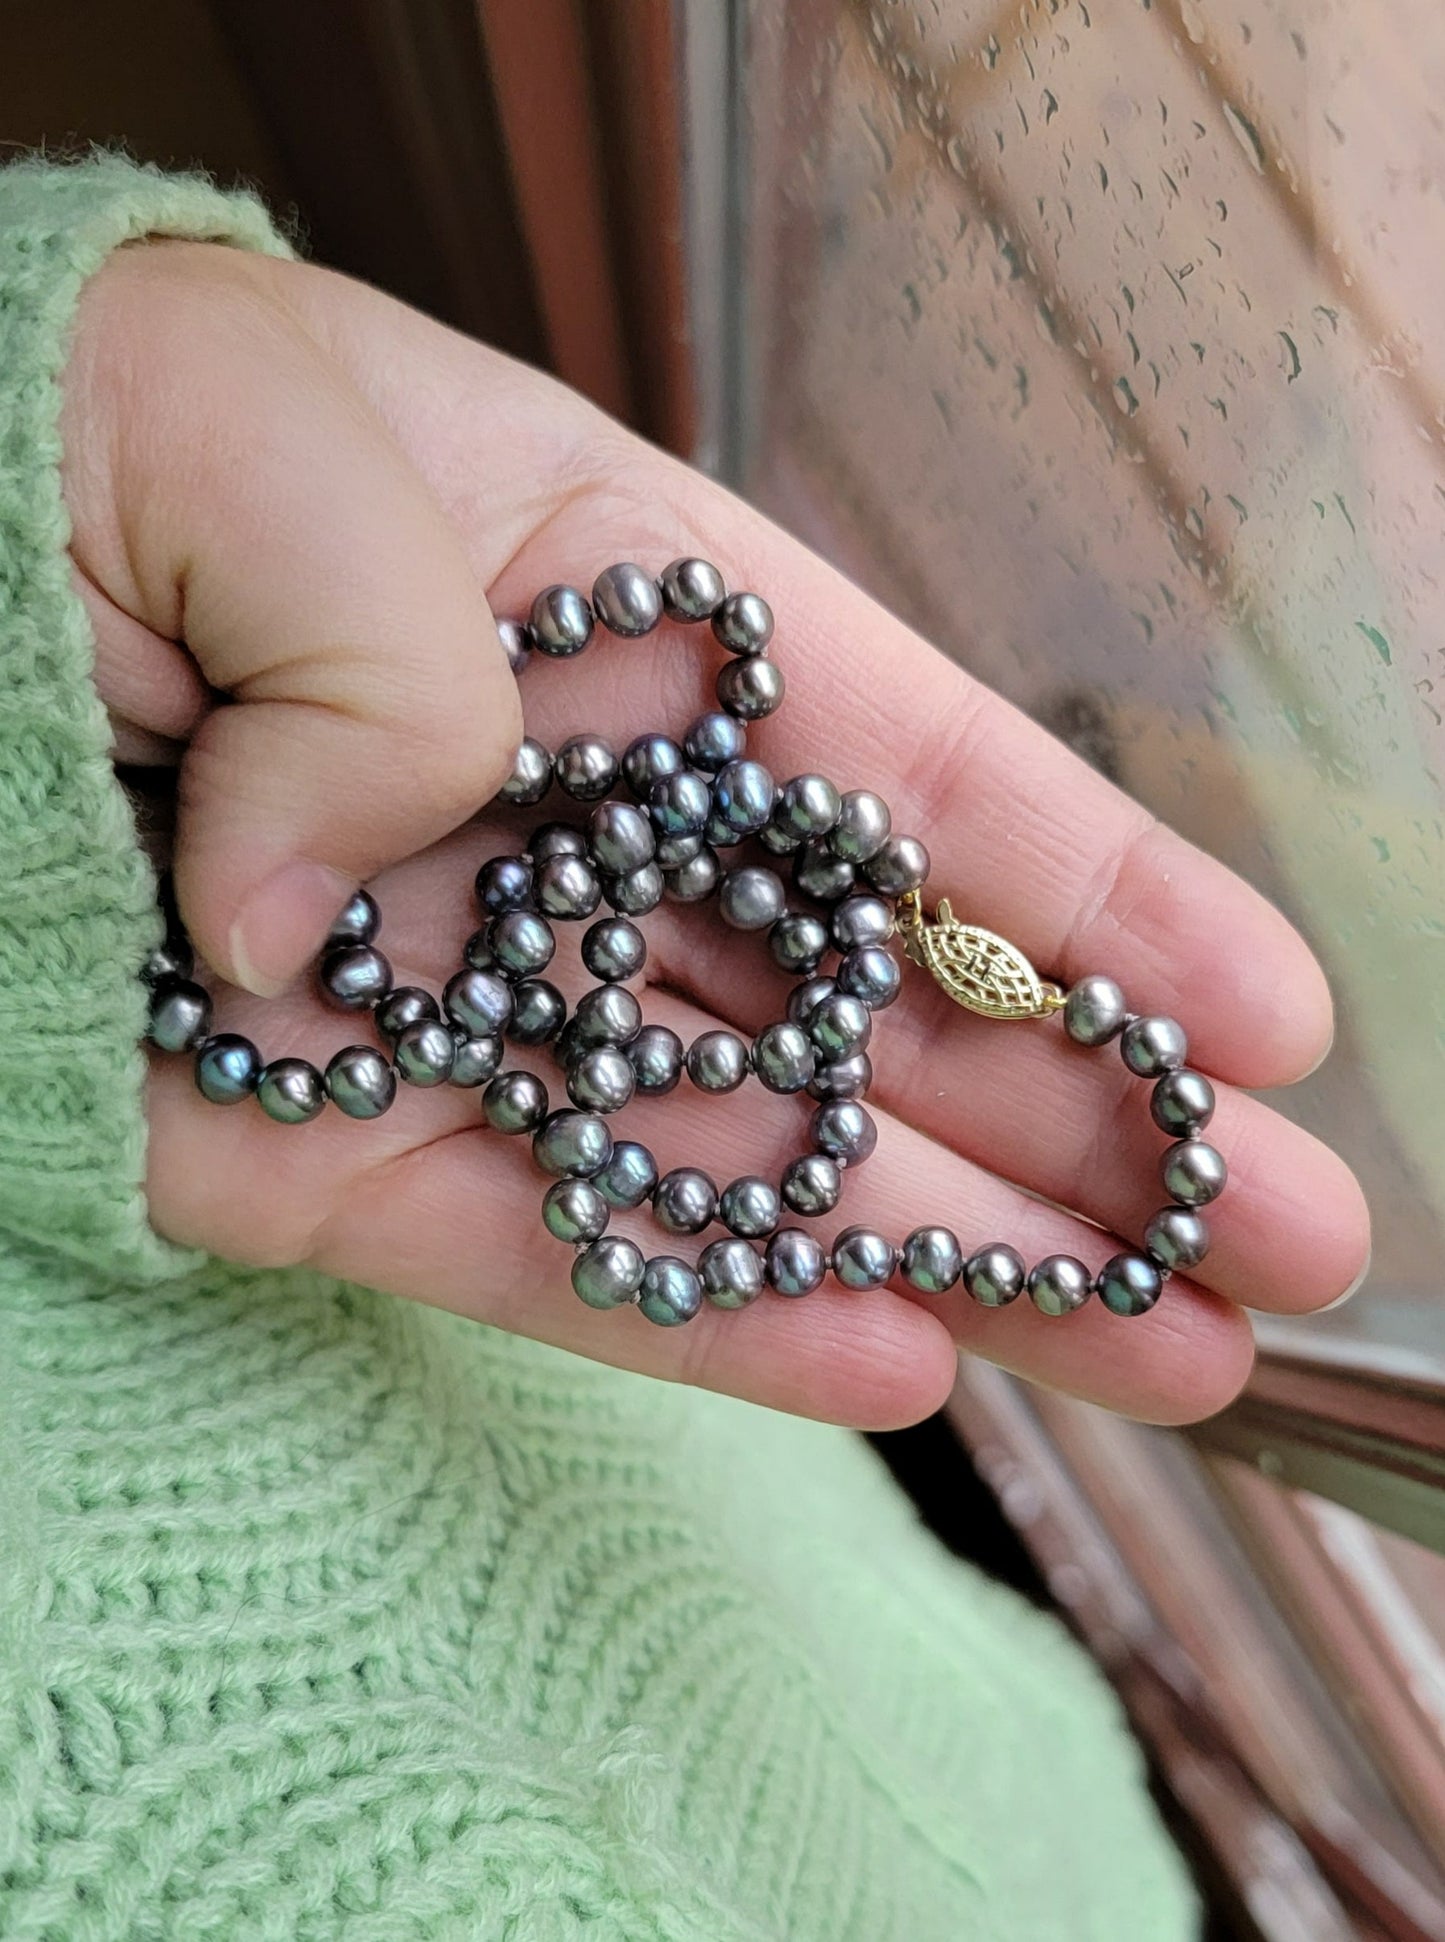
[77,897]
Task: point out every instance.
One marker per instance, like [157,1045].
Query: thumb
[249,504]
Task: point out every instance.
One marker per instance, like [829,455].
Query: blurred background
[1105,341]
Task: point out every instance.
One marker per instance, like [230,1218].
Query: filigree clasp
[979,970]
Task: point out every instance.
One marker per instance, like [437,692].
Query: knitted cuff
[77,898]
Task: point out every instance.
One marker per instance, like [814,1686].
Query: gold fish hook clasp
[980,971]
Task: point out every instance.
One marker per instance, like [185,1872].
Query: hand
[319,492]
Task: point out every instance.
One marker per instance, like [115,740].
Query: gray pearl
[477,953]
[840,1026]
[551,839]
[621,838]
[614,950]
[1095,1010]
[516,644]
[1130,1284]
[694,881]
[227,1069]
[1177,1237]
[808,806]
[539,1011]
[1059,1284]
[180,1017]
[751,899]
[629,1177]
[424,1053]
[573,1144]
[717,1062]
[743,624]
[354,977]
[731,1273]
[794,1262]
[783,1057]
[863,1259]
[671,1292]
[843,1130]
[719,836]
[479,1001]
[360,1082]
[901,864]
[685,1201]
[474,1061]
[743,795]
[750,690]
[531,775]
[608,1014]
[647,760]
[601,1081]
[779,842]
[609,1273]
[404,1005]
[561,622]
[680,804]
[169,963]
[691,590]
[522,943]
[1182,1103]
[804,998]
[818,873]
[872,975]
[515,1102]
[843,1079]
[714,740]
[932,1260]
[626,601]
[797,943]
[995,1275]
[864,825]
[505,883]
[638,892]
[585,768]
[674,851]
[1194,1173]
[359,922]
[749,1207]
[573,1210]
[567,888]
[860,921]
[812,1185]
[655,1055]
[1153,1046]
[290,1091]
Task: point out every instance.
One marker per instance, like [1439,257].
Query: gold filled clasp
[980,971]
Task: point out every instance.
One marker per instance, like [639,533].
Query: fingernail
[282,923]
[1354,1288]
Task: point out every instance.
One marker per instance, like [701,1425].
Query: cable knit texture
[325,1615]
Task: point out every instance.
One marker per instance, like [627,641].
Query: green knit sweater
[322,1614]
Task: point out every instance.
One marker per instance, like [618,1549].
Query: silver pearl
[474,1062]
[818,873]
[561,622]
[505,883]
[516,644]
[172,962]
[680,804]
[1059,1285]
[750,690]
[840,1026]
[629,1177]
[843,1079]
[844,1130]
[567,888]
[872,975]
[804,998]
[794,1262]
[626,601]
[609,1273]
[515,1102]
[655,1055]
[995,1275]
[751,899]
[614,950]
[864,825]
[403,1006]
[731,1273]
[1153,1046]
[585,768]
[691,590]
[743,795]
[522,943]
[674,851]
[573,1144]
[647,760]
[901,864]
[1194,1173]
[180,1017]
[694,881]
[550,839]
[608,1014]
[1177,1237]
[685,1201]
[601,1081]
[358,923]
[812,1185]
[749,1207]
[531,775]
[227,1069]
[863,1259]
[354,976]
[479,1001]
[783,1057]
[621,838]
[714,740]
[860,921]
[573,1210]
[808,806]
[671,1292]
[290,1091]
[717,1062]
[932,1260]
[1182,1103]
[539,1011]
[1129,1284]
[743,624]
[797,943]
[638,892]
[424,1053]
[1095,1010]
[360,1082]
